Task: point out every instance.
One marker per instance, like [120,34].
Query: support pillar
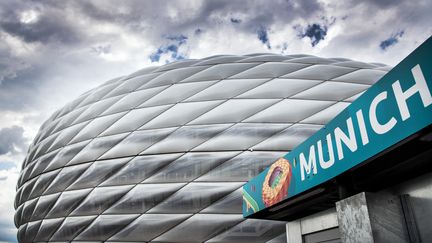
[372,218]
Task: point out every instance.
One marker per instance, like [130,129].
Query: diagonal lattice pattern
[160,155]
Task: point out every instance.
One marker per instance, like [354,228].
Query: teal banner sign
[397,106]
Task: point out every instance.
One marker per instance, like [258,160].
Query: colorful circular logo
[276,183]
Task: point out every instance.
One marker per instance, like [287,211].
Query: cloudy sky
[52,51]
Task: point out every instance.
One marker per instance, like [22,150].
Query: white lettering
[311,164]
[363,132]
[350,141]
[420,86]
[326,164]
[376,126]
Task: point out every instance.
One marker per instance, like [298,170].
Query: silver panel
[313,60]
[97,172]
[96,148]
[128,122]
[70,227]
[133,100]
[203,226]
[47,229]
[149,226]
[326,115]
[252,230]
[66,135]
[130,84]
[173,76]
[175,65]
[176,93]
[143,197]
[139,169]
[276,88]
[42,163]
[44,205]
[270,70]
[66,154]
[66,177]
[362,76]
[137,142]
[289,138]
[339,91]
[219,59]
[242,167]
[180,114]
[226,89]
[318,71]
[241,137]
[67,202]
[186,138]
[286,111]
[100,199]
[234,110]
[194,197]
[227,205]
[96,109]
[31,230]
[42,183]
[96,127]
[104,226]
[190,166]
[266,58]
[218,72]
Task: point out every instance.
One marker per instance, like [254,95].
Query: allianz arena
[160,155]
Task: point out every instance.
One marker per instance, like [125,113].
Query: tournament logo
[276,183]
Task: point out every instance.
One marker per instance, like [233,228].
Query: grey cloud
[9,66]
[49,34]
[399,13]
[51,25]
[198,31]
[43,30]
[131,11]
[235,20]
[19,87]
[101,49]
[11,138]
[262,13]
[152,17]
[381,4]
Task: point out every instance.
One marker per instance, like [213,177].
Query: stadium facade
[161,155]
